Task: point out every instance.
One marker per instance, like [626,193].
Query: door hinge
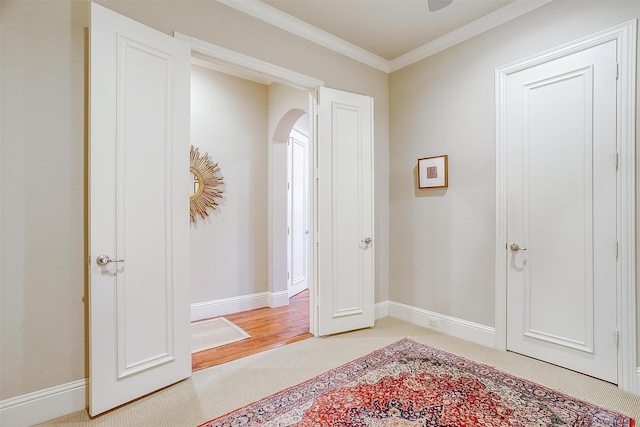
[617,250]
[617,160]
[288,275]
[288,186]
[617,338]
[617,71]
[287,231]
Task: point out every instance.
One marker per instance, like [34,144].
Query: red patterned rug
[411,384]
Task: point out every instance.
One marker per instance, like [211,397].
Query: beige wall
[229,247]
[442,242]
[42,155]
[42,299]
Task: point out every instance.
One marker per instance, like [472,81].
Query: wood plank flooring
[269,328]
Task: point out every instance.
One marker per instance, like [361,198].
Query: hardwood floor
[269,328]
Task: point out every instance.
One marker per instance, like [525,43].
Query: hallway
[269,328]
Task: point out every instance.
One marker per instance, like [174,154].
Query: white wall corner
[278,299]
[43,405]
[220,307]
[459,328]
[381,309]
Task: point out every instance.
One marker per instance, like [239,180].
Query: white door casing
[298,200]
[527,268]
[345,211]
[138,210]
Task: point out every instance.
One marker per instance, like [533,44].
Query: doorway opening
[242,254]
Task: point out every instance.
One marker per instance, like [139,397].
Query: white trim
[275,17]
[205,51]
[43,405]
[625,36]
[459,328]
[381,309]
[278,299]
[220,307]
[479,26]
[293,25]
[638,381]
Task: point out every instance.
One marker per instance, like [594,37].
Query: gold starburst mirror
[206,180]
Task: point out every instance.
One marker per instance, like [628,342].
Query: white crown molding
[273,16]
[479,26]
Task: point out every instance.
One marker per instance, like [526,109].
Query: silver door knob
[516,247]
[367,241]
[104,259]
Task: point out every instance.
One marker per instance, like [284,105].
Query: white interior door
[561,171]
[298,191]
[345,245]
[139,211]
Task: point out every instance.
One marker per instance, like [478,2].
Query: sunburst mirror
[206,180]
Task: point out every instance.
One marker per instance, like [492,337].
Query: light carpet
[215,391]
[214,333]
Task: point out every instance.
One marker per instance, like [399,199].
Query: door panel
[139,177]
[561,133]
[298,191]
[345,214]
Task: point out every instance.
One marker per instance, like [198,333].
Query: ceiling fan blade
[435,5]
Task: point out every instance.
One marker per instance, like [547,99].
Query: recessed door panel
[139,280]
[561,137]
[345,221]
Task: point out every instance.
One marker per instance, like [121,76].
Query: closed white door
[562,262]
[298,190]
[346,243]
[138,211]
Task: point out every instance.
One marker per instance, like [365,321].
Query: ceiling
[386,28]
[385,34]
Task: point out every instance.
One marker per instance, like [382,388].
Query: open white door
[138,211]
[345,212]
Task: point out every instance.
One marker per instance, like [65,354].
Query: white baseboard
[278,299]
[474,332]
[43,405]
[381,309]
[220,307]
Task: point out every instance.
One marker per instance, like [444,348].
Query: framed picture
[432,172]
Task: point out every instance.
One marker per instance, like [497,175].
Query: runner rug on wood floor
[214,333]
[412,384]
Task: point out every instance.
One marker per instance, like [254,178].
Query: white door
[345,244]
[298,186]
[138,211]
[561,144]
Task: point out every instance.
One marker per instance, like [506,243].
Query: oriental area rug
[410,384]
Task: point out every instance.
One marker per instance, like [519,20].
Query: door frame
[243,64]
[625,36]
